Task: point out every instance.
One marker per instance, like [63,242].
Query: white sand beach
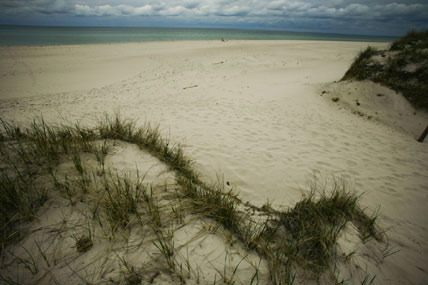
[258,114]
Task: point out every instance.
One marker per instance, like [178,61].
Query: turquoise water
[25,35]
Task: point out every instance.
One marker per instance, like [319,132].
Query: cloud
[108,10]
[232,11]
[261,13]
[83,10]
[173,11]
[395,9]
[356,9]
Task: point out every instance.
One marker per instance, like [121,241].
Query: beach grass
[414,39]
[298,241]
[403,67]
[359,68]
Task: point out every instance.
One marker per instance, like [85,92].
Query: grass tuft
[83,244]
[314,225]
[9,131]
[362,67]
[121,198]
[412,39]
[213,201]
[19,201]
[148,138]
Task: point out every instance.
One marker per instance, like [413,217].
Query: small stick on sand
[423,136]
[193,86]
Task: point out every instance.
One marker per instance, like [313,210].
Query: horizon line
[202,28]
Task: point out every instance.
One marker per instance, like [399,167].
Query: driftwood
[423,136]
[193,86]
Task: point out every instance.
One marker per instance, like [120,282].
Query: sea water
[32,36]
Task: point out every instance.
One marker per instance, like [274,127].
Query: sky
[366,17]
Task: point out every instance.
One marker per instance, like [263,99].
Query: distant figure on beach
[222,39]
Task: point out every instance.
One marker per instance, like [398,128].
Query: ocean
[41,36]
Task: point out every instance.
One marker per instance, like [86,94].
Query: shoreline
[190,41]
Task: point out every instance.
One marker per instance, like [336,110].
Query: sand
[255,113]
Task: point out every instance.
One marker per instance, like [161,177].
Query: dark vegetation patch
[403,67]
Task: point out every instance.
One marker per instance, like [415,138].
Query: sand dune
[254,115]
